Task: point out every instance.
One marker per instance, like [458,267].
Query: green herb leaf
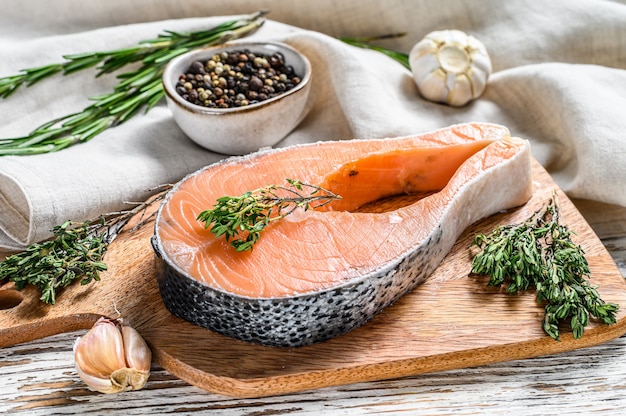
[55,263]
[75,251]
[539,253]
[249,213]
[137,89]
[366,43]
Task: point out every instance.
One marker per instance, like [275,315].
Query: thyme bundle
[252,211]
[540,254]
[139,88]
[75,252]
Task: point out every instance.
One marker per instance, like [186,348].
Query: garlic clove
[479,81]
[450,66]
[101,350]
[99,384]
[481,62]
[434,87]
[425,65]
[459,92]
[111,358]
[137,352]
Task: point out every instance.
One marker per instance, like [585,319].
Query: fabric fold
[559,80]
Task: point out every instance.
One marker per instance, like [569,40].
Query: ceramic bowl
[239,130]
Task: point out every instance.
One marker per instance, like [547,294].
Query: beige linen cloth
[559,80]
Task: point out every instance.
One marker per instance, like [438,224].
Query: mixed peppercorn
[236,79]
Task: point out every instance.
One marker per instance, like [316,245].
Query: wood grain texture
[451,322]
[38,378]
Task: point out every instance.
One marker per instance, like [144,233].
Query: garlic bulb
[450,66]
[112,358]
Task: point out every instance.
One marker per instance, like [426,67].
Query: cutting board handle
[10,297]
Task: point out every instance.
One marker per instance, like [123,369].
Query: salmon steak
[317,274]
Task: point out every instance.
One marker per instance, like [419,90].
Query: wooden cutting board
[452,321]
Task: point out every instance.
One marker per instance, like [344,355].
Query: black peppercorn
[236,78]
[197,67]
[255,83]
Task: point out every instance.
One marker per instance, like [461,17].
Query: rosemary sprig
[76,251]
[366,43]
[251,212]
[139,88]
[539,253]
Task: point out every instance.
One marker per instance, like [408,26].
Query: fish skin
[309,318]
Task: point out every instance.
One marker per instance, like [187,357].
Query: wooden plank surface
[449,323]
[38,378]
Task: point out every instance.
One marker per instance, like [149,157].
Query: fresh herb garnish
[75,251]
[251,212]
[366,43]
[539,253]
[137,89]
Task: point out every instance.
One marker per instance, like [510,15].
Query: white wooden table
[38,378]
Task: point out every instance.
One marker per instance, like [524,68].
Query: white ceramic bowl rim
[172,71]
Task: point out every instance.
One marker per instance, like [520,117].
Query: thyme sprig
[539,253]
[252,211]
[75,252]
[139,88]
